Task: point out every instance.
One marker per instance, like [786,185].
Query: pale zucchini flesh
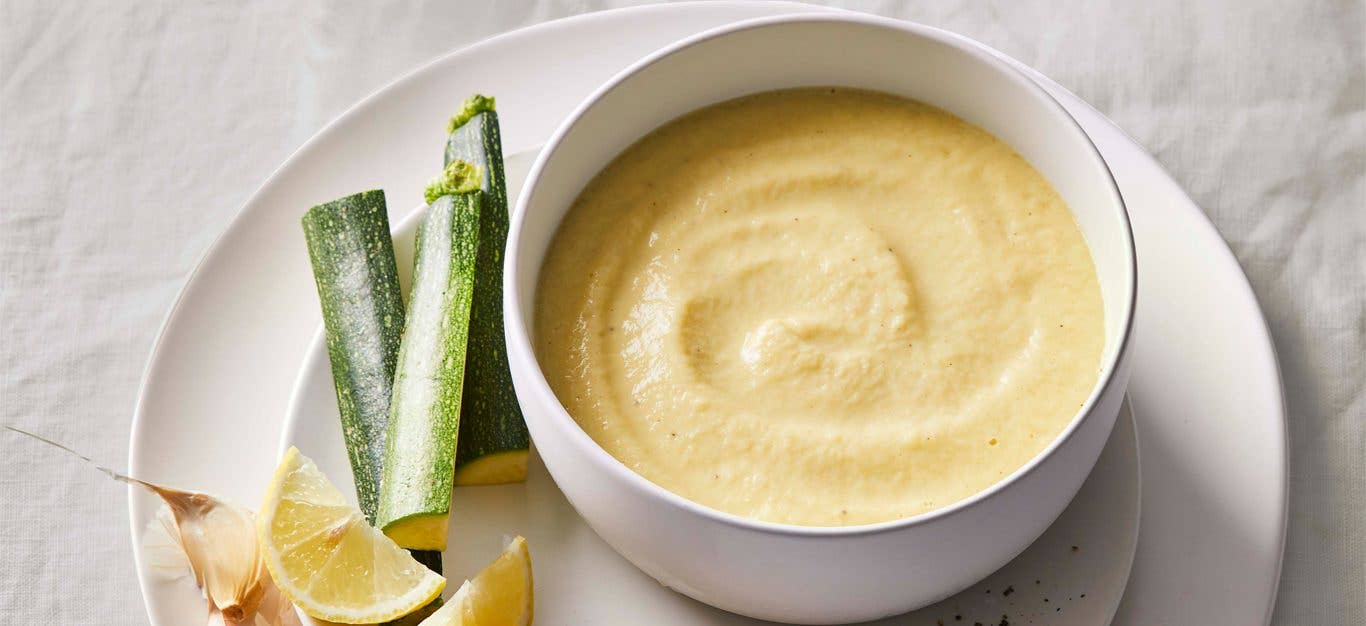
[493,469]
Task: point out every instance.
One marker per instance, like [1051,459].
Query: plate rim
[1265,344]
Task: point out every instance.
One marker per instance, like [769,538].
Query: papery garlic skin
[162,553]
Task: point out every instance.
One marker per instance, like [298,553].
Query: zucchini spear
[494,443]
[424,418]
[353,266]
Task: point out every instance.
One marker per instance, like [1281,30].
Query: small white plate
[1205,387]
[1080,587]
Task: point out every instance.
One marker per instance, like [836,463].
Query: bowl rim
[518,333]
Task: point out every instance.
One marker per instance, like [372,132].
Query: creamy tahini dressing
[820,307]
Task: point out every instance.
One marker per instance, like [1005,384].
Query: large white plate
[1205,387]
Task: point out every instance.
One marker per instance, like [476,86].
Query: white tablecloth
[131,132]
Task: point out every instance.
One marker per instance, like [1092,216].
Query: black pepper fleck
[1009,590]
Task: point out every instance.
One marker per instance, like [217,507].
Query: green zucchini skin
[424,414]
[353,265]
[491,419]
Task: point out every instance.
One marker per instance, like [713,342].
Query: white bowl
[796,573]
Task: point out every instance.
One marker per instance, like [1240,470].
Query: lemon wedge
[501,595]
[327,559]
